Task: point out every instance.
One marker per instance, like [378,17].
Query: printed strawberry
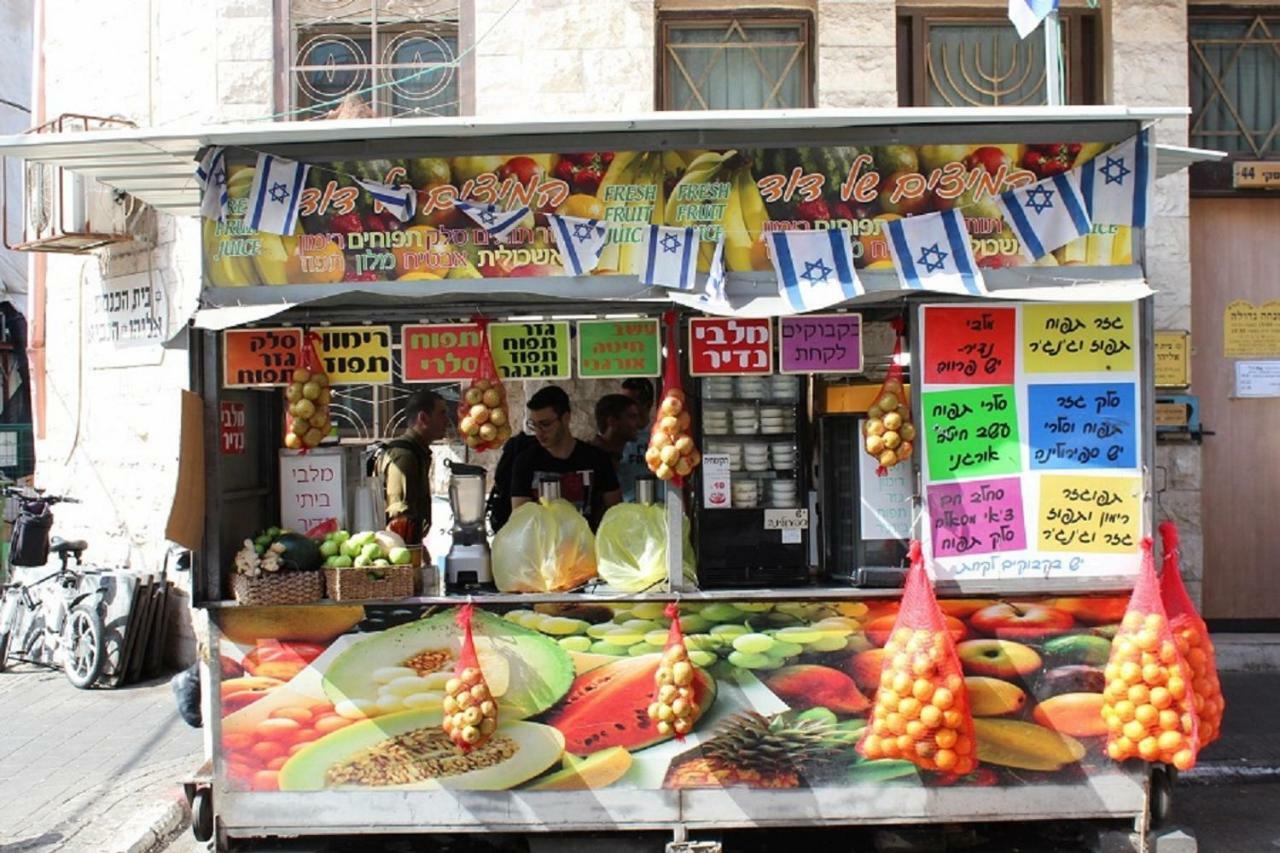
[813,211]
[346,223]
[383,221]
[583,170]
[586,181]
[564,171]
[1052,159]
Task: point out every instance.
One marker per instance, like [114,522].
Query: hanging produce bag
[470,711]
[307,398]
[483,419]
[631,547]
[921,712]
[672,455]
[888,434]
[675,706]
[546,546]
[1192,637]
[1147,705]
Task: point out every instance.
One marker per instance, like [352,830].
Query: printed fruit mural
[782,689]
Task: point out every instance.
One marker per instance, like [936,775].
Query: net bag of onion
[483,419]
[888,435]
[470,711]
[1147,704]
[921,711]
[1192,637]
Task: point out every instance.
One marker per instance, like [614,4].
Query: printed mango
[1027,746]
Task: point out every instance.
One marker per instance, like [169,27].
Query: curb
[154,826]
[1230,772]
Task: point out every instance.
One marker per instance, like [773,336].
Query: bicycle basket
[29,543]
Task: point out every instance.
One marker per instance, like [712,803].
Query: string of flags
[815,269]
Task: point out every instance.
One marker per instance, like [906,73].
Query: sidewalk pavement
[85,770]
[1249,748]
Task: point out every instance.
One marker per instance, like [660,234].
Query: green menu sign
[618,348]
[531,350]
[971,432]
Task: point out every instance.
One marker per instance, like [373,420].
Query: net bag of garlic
[1192,637]
[483,420]
[1147,704]
[470,711]
[921,711]
[675,704]
[307,396]
[672,455]
[888,434]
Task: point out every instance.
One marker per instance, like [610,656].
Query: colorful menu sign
[260,358]
[537,350]
[355,355]
[1031,422]
[820,343]
[618,348]
[441,352]
[720,346]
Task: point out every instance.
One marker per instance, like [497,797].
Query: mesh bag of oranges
[470,711]
[671,454]
[888,435]
[483,419]
[307,397]
[1147,704]
[1192,637]
[674,707]
[921,711]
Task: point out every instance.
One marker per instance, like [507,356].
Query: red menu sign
[440,353]
[260,357]
[231,427]
[969,346]
[721,346]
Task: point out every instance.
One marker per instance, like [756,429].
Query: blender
[466,566]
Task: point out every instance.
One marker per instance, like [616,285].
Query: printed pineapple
[759,752]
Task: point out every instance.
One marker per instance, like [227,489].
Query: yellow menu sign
[356,355]
[1078,338]
[1098,515]
[1173,359]
[1248,330]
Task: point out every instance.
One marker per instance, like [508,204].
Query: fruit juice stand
[1028,487]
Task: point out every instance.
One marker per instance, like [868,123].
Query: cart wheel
[83,649]
[202,814]
[1161,796]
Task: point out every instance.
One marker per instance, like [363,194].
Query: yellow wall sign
[355,355]
[1249,330]
[1079,338]
[1098,515]
[1173,359]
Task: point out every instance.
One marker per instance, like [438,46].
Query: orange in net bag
[1147,705]
[888,435]
[671,454]
[470,711]
[483,419]
[1192,637]
[921,710]
[675,703]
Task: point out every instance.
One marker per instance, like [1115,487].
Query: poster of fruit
[740,194]
[350,697]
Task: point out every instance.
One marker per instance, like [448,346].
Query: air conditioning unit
[68,212]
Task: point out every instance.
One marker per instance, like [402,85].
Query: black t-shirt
[585,459]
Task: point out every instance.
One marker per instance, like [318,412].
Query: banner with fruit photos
[1031,440]
[344,235]
[350,696]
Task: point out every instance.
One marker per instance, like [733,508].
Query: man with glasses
[586,474]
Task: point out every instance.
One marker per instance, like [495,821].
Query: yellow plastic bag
[631,547]
[544,547]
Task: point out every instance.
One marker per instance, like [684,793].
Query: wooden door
[1233,256]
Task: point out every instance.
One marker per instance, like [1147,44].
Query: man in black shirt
[586,473]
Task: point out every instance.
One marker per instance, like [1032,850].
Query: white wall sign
[1258,378]
[128,321]
[311,488]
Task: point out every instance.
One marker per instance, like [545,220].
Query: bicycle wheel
[6,617]
[83,646]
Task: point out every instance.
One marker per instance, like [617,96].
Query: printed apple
[997,658]
[1020,621]
[906,205]
[879,629]
[963,608]
[1092,611]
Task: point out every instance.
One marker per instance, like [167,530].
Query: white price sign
[786,519]
[715,481]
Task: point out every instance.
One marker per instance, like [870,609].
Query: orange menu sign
[260,358]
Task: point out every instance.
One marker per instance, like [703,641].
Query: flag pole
[1053,59]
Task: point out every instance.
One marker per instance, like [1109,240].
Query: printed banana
[754,213]
[646,169]
[737,236]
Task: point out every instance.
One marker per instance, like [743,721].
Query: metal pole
[1053,60]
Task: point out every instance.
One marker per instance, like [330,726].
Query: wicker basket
[279,588]
[363,584]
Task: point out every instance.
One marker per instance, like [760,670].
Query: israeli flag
[1118,184]
[211,174]
[815,268]
[1027,14]
[580,242]
[1047,214]
[669,257]
[717,275]
[400,201]
[933,252]
[499,223]
[275,194]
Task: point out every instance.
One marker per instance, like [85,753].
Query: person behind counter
[404,465]
[631,464]
[586,472]
[617,422]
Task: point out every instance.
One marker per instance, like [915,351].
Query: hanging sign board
[1249,330]
[355,355]
[260,358]
[1173,359]
[720,346]
[531,350]
[618,348]
[1031,424]
[820,343]
[311,488]
[443,352]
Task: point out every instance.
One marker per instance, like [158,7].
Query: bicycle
[55,616]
